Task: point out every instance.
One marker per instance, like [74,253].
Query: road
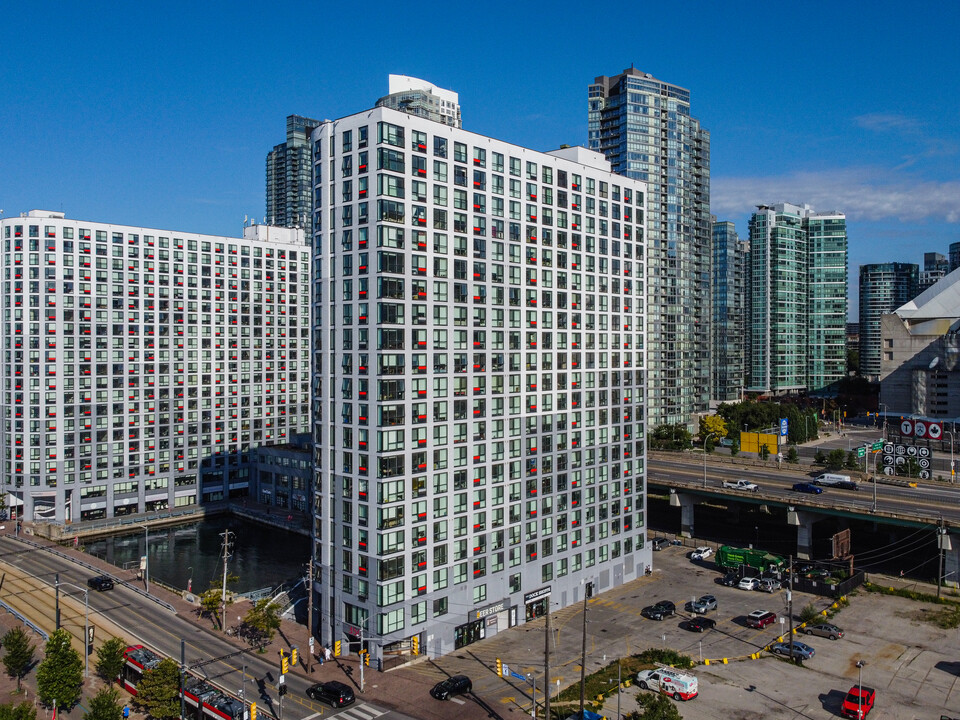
[29,574]
[926,503]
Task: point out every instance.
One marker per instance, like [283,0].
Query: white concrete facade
[480,375]
[137,360]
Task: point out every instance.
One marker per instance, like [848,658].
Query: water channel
[260,557]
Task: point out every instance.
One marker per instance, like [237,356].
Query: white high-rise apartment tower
[140,366]
[479,376]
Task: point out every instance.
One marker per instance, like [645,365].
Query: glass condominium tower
[479,381]
[797,299]
[289,179]
[729,313]
[883,288]
[644,128]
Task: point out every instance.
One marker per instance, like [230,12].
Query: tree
[670,437]
[19,654]
[110,659]
[819,458]
[654,706]
[792,455]
[105,705]
[20,711]
[764,451]
[713,424]
[158,691]
[836,459]
[211,603]
[262,620]
[60,675]
[853,462]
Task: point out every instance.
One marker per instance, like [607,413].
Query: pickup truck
[741,484]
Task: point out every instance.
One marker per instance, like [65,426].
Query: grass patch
[603,682]
[947,618]
[909,594]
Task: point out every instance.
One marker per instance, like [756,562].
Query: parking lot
[914,665]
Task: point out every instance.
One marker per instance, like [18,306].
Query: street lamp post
[146,558]
[876,457]
[886,409]
[952,471]
[533,681]
[86,624]
[705,440]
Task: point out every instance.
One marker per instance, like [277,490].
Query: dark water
[261,556]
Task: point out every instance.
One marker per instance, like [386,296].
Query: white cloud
[862,193]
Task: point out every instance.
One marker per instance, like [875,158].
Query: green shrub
[809,613]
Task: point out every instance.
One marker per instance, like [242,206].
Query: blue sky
[162,115]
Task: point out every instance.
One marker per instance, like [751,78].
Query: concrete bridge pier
[804,521]
[686,503]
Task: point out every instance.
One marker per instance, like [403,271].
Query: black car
[662,609]
[100,583]
[700,624]
[456,685]
[335,693]
[660,543]
[731,579]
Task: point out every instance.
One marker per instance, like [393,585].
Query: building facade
[883,288]
[289,179]
[728,302]
[920,354]
[935,267]
[479,378]
[423,99]
[798,299]
[954,256]
[644,128]
[141,366]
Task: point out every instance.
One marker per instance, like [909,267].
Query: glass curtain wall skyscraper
[729,313]
[644,128]
[289,180]
[883,288]
[798,299]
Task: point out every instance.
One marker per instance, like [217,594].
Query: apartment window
[390,134]
[440,147]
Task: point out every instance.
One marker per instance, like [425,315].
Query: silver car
[824,630]
[704,604]
[770,585]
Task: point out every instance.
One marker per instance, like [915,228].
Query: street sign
[518,676]
[888,471]
[924,474]
[934,431]
[861,452]
[912,451]
[924,463]
[784,425]
[877,446]
[906,428]
[923,452]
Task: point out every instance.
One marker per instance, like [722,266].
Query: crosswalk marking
[360,712]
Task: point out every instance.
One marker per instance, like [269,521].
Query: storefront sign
[536,594]
[488,610]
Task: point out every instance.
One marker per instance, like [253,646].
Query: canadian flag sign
[934,431]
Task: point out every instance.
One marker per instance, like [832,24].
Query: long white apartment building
[479,377]
[141,366]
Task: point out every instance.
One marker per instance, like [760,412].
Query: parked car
[703,604]
[805,487]
[741,485]
[859,702]
[700,624]
[748,583]
[800,650]
[761,618]
[455,685]
[660,543]
[701,553]
[674,683]
[824,630]
[731,579]
[336,694]
[659,611]
[100,583]
[770,585]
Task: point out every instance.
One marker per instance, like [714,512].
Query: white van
[674,683]
[843,482]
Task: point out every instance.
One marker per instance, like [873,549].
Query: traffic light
[499,667]
[293,656]
[336,648]
[415,645]
[253,711]
[284,663]
[366,657]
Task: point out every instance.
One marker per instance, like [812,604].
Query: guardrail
[25,621]
[99,571]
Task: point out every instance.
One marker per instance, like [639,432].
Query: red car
[859,702]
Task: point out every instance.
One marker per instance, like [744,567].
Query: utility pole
[310,635]
[790,610]
[546,665]
[583,653]
[56,585]
[941,531]
[183,661]
[227,544]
